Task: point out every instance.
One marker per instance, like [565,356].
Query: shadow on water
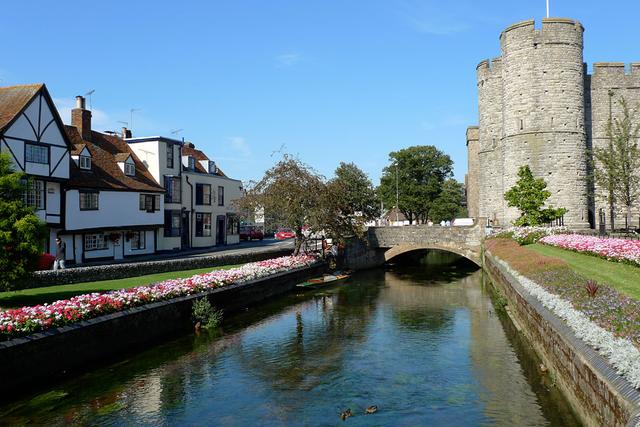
[419,338]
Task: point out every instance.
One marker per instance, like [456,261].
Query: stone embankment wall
[55,353]
[597,394]
[135,269]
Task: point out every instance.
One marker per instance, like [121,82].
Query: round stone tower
[543,117]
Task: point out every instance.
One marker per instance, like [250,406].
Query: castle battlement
[489,68]
[553,30]
[616,69]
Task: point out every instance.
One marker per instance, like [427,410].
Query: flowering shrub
[612,249]
[27,320]
[530,235]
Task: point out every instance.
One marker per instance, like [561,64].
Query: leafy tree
[292,194]
[617,165]
[449,204]
[529,195]
[421,172]
[21,231]
[349,202]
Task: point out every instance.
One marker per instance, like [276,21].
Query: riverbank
[58,352]
[597,392]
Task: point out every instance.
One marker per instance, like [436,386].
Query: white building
[113,205]
[198,204]
[32,133]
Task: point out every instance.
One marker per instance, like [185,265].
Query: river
[421,340]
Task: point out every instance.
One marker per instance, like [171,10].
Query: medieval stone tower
[535,108]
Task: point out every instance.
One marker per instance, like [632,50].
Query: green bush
[205,314]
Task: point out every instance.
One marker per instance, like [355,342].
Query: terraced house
[33,134]
[198,209]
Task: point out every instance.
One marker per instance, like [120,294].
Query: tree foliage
[291,194]
[421,172]
[21,231]
[349,202]
[529,195]
[449,204]
[617,165]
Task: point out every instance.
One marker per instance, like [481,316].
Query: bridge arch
[410,247]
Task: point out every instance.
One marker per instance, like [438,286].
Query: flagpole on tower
[547,8]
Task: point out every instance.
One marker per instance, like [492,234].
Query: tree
[21,231]
[529,195]
[449,204]
[419,173]
[349,202]
[292,194]
[617,165]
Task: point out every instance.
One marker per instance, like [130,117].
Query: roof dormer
[126,163]
[189,162]
[82,157]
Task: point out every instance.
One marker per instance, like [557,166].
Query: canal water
[421,340]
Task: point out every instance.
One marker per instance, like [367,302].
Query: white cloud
[288,59]
[239,144]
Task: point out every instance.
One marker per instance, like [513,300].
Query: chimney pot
[126,133]
[81,119]
[80,102]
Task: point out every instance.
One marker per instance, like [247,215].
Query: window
[233,224]
[220,195]
[85,162]
[129,169]
[172,223]
[137,240]
[37,154]
[203,225]
[170,156]
[95,242]
[172,185]
[89,200]
[149,202]
[203,194]
[34,194]
[192,163]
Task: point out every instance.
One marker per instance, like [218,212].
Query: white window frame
[34,153]
[140,240]
[95,242]
[84,162]
[35,194]
[129,169]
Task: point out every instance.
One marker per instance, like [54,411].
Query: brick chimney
[81,118]
[126,133]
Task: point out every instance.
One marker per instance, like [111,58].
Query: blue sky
[327,80]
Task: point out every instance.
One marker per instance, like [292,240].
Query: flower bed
[608,321]
[27,320]
[611,249]
[530,235]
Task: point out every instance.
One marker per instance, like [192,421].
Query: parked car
[249,232]
[285,233]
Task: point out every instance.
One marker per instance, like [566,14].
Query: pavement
[254,246]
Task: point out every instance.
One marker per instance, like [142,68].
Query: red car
[248,232]
[285,233]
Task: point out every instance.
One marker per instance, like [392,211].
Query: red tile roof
[199,155]
[13,99]
[105,172]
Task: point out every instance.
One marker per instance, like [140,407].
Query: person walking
[61,248]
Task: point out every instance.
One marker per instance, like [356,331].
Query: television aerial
[89,95]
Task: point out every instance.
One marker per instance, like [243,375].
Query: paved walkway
[241,248]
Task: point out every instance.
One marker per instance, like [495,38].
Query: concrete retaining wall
[135,269]
[50,355]
[598,395]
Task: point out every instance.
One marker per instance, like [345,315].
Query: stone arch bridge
[385,243]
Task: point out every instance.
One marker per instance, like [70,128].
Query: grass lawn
[53,293]
[625,278]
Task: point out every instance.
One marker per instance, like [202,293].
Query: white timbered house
[32,133]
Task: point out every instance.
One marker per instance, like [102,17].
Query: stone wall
[619,81]
[473,171]
[135,269]
[56,353]
[598,395]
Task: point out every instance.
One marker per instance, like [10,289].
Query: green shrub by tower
[529,195]
[21,231]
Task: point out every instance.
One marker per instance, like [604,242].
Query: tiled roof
[122,157]
[105,172]
[77,149]
[199,155]
[13,99]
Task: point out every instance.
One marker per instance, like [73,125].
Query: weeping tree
[617,165]
[291,194]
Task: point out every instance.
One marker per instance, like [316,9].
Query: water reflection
[420,341]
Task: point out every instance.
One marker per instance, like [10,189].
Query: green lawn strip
[53,293]
[623,277]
